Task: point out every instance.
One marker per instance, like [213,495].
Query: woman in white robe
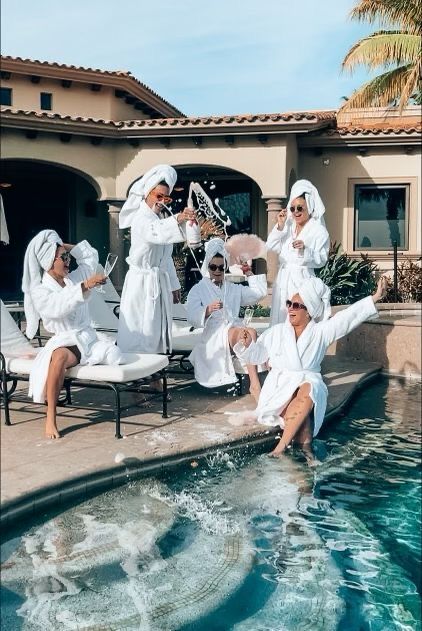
[151,284]
[61,299]
[301,241]
[214,304]
[295,350]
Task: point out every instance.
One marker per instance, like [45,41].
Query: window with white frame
[381,216]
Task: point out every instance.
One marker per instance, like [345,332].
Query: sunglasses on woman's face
[298,208]
[162,198]
[65,257]
[214,268]
[295,305]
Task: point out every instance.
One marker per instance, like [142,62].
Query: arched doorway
[39,195]
[238,195]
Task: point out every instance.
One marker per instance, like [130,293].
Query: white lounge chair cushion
[183,339]
[136,366]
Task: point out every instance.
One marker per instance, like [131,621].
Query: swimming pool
[242,542]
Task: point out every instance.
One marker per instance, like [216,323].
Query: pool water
[242,542]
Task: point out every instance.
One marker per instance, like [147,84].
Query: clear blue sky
[204,56]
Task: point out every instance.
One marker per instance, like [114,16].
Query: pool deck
[37,473]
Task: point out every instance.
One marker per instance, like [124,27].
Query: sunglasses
[65,257]
[162,198]
[214,268]
[299,208]
[295,305]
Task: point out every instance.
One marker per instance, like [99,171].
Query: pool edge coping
[83,486]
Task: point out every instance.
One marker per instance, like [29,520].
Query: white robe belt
[157,279]
[157,284]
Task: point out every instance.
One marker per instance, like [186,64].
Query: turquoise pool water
[242,542]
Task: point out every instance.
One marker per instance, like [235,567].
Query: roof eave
[114,80]
[114,129]
[165,131]
[361,140]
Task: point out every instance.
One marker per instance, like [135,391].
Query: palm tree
[398,50]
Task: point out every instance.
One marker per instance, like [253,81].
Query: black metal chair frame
[7,392]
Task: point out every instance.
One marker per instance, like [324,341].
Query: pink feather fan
[244,247]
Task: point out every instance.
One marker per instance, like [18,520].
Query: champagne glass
[111,261]
[248,316]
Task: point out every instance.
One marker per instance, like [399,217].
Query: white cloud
[223,56]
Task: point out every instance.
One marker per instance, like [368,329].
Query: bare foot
[140,400]
[255,391]
[157,386]
[309,455]
[51,430]
[279,449]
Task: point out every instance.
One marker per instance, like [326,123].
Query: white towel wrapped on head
[39,258]
[313,200]
[140,189]
[316,298]
[214,247]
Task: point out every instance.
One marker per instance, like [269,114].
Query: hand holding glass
[108,268]
[248,316]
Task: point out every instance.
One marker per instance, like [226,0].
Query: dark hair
[162,183]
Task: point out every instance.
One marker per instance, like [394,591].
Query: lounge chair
[17,356]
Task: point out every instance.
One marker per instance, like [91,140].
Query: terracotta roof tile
[238,119]
[381,129]
[110,73]
[393,127]
[62,117]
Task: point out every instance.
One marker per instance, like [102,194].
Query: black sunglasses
[295,305]
[214,268]
[298,208]
[65,257]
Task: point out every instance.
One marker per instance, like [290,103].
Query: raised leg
[296,416]
[254,383]
[61,359]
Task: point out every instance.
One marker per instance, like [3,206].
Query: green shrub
[259,311]
[349,279]
[409,283]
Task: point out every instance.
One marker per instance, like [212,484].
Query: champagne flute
[111,261]
[249,311]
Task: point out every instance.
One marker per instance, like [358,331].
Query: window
[6,96]
[381,216]
[46,100]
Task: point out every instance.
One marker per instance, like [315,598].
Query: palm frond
[412,85]
[404,13]
[384,48]
[382,90]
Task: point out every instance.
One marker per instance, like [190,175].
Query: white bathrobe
[295,265]
[211,357]
[64,312]
[294,363]
[145,319]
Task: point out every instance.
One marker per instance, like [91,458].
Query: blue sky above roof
[206,58]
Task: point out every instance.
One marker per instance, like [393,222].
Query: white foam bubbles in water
[210,521]
[119,457]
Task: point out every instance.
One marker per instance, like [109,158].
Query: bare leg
[297,413]
[61,359]
[156,385]
[255,385]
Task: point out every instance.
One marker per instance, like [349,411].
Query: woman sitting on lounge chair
[60,298]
